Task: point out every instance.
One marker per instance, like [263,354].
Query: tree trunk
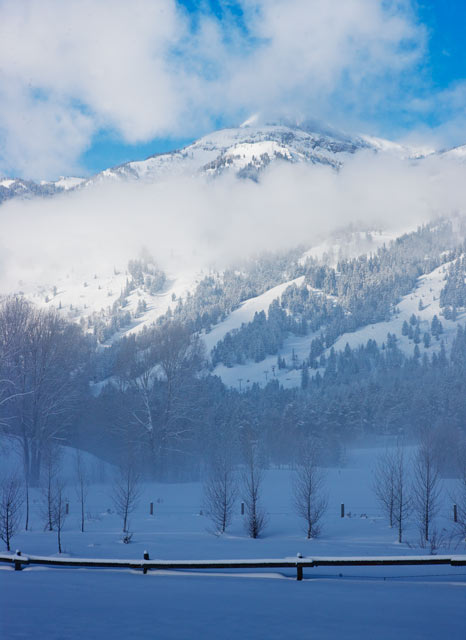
[26,526]
[7,528]
[35,461]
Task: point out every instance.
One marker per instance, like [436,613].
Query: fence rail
[299,563]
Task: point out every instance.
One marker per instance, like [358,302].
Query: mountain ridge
[245,151]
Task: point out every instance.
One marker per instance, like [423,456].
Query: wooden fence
[299,563]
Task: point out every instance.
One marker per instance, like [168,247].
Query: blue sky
[85,85]
[446,22]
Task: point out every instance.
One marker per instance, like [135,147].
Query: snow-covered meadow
[348,602]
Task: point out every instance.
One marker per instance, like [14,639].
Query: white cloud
[314,49]
[68,69]
[192,223]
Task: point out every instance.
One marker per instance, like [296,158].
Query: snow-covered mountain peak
[244,151]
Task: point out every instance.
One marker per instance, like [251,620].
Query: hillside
[344,332]
[132,298]
[295,349]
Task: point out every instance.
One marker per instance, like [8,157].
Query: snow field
[67,604]
[347,602]
[179,531]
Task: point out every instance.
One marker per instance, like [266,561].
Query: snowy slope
[19,188]
[245,313]
[66,183]
[79,294]
[427,291]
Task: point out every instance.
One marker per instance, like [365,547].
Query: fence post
[342,510]
[146,557]
[455,513]
[67,508]
[242,508]
[151,508]
[18,566]
[299,571]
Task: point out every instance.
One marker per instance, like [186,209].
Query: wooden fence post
[18,566]
[151,508]
[455,513]
[342,510]
[242,508]
[146,557]
[67,508]
[299,571]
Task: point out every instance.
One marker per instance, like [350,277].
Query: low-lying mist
[197,222]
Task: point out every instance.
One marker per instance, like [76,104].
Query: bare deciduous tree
[308,488]
[26,495]
[59,511]
[426,486]
[402,506]
[11,502]
[459,495]
[383,482]
[220,491]
[50,473]
[126,490]
[255,516]
[390,483]
[164,384]
[43,354]
[82,484]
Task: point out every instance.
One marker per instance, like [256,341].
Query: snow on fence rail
[299,562]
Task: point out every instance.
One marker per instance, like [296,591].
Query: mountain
[244,151]
[230,309]
[19,188]
[355,288]
[349,335]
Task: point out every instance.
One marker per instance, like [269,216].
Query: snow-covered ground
[71,604]
[245,313]
[77,293]
[357,602]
